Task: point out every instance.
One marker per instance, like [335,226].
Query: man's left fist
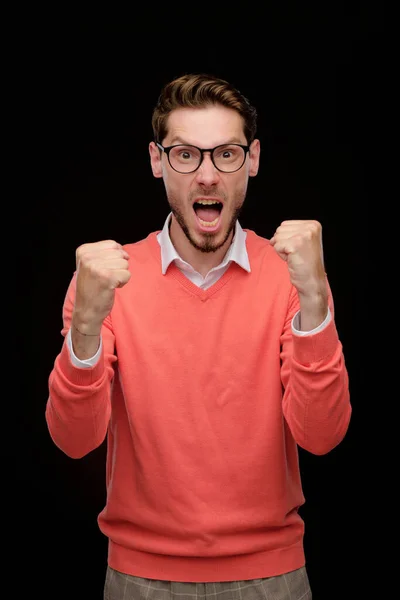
[299,243]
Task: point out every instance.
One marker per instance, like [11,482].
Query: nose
[207,174]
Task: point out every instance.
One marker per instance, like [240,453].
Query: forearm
[84,344]
[313,309]
[78,406]
[316,401]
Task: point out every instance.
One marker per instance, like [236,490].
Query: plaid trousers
[291,586]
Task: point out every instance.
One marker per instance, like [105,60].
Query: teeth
[209,223]
[207,202]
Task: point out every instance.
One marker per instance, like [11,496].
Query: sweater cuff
[316,347]
[78,375]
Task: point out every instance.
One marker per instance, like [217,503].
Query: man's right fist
[101,268]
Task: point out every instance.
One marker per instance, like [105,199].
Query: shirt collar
[237,251]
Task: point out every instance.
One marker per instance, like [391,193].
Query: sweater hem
[258,565]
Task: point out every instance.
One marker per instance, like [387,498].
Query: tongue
[207,214]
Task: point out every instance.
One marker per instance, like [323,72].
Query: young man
[206,355]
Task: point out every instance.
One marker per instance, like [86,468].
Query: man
[206,355]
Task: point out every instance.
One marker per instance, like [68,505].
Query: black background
[84,91]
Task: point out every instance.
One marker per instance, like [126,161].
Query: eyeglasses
[227,158]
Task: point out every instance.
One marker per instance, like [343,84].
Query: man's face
[205,128]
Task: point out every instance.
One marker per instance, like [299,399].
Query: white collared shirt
[237,252]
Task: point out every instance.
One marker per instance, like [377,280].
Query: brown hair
[199,90]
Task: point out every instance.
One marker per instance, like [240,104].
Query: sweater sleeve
[316,400]
[78,407]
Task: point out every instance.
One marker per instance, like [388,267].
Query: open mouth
[208,213]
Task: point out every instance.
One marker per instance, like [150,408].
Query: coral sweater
[204,396]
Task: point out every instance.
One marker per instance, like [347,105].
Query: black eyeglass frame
[167,150]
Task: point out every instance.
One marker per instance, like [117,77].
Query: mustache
[214,191]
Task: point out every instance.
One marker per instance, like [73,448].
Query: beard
[208,243]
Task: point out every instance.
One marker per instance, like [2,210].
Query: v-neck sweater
[203,396]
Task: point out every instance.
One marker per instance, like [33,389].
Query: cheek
[176,187]
[238,185]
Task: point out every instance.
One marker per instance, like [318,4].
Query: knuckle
[80,250]
[315,226]
[100,273]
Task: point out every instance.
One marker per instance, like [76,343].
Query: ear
[254,157]
[155,159]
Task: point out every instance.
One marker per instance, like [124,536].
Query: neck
[202,262]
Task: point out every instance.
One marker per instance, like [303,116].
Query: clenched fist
[101,268]
[299,243]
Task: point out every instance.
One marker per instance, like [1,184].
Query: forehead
[205,127]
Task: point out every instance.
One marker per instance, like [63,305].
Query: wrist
[313,310]
[85,327]
[86,332]
[85,341]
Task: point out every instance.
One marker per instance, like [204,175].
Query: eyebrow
[178,140]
